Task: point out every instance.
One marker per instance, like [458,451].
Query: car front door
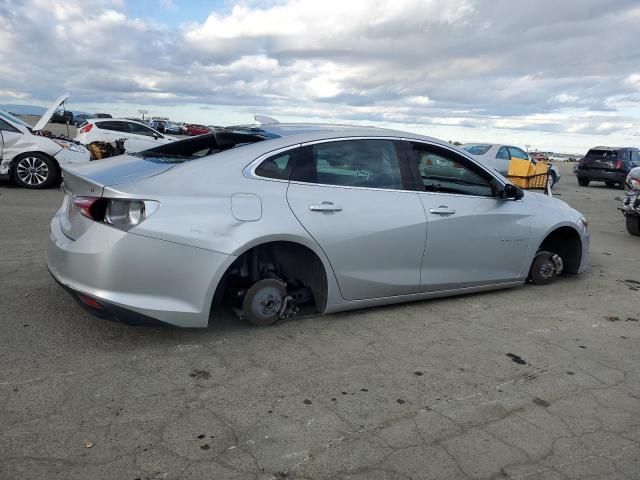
[355,198]
[474,237]
[143,138]
[10,139]
[501,162]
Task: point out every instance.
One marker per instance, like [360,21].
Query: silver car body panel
[382,247]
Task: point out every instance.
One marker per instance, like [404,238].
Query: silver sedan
[498,157]
[277,220]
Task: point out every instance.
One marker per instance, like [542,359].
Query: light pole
[143,113]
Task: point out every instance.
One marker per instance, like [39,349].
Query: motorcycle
[631,203]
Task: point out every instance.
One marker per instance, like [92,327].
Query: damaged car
[278,220]
[31,157]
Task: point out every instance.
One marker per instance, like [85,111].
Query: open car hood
[44,119]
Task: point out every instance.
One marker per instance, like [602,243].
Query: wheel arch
[566,241]
[301,258]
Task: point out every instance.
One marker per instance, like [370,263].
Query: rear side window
[278,166]
[352,163]
[635,158]
[113,126]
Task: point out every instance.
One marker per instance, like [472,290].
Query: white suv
[137,135]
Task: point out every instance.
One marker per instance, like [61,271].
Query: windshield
[11,118]
[476,148]
[198,147]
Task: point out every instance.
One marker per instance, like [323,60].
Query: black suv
[607,164]
[62,117]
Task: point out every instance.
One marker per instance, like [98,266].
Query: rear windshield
[476,149]
[198,147]
[608,154]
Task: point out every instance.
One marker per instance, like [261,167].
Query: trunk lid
[90,179]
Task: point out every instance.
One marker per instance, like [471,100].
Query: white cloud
[447,65]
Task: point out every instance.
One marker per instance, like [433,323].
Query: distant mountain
[24,109]
[31,109]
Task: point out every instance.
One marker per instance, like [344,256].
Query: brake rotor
[264,301]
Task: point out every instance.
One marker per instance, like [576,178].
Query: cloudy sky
[552,74]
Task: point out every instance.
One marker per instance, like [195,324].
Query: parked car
[498,157]
[194,129]
[631,202]
[166,127]
[137,135]
[610,165]
[62,116]
[271,219]
[28,157]
[81,118]
[102,115]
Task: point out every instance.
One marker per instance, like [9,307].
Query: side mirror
[512,192]
[156,136]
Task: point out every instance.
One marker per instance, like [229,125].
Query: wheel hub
[32,171]
[264,301]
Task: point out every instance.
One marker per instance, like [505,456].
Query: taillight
[119,213]
[87,128]
[619,165]
[91,207]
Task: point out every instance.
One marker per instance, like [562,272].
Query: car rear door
[355,198]
[474,237]
[112,130]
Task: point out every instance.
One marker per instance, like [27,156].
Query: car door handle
[326,207]
[442,210]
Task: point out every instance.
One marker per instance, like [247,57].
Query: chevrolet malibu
[277,220]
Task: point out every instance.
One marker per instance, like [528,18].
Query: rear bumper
[107,311]
[601,175]
[136,279]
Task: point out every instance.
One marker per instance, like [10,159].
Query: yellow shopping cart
[529,175]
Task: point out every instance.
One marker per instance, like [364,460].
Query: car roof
[317,131]
[115,120]
[613,148]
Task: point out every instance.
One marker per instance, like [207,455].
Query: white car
[31,159]
[498,157]
[137,135]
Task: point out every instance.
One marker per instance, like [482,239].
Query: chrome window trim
[250,170]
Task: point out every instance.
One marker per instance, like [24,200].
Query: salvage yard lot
[534,382]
